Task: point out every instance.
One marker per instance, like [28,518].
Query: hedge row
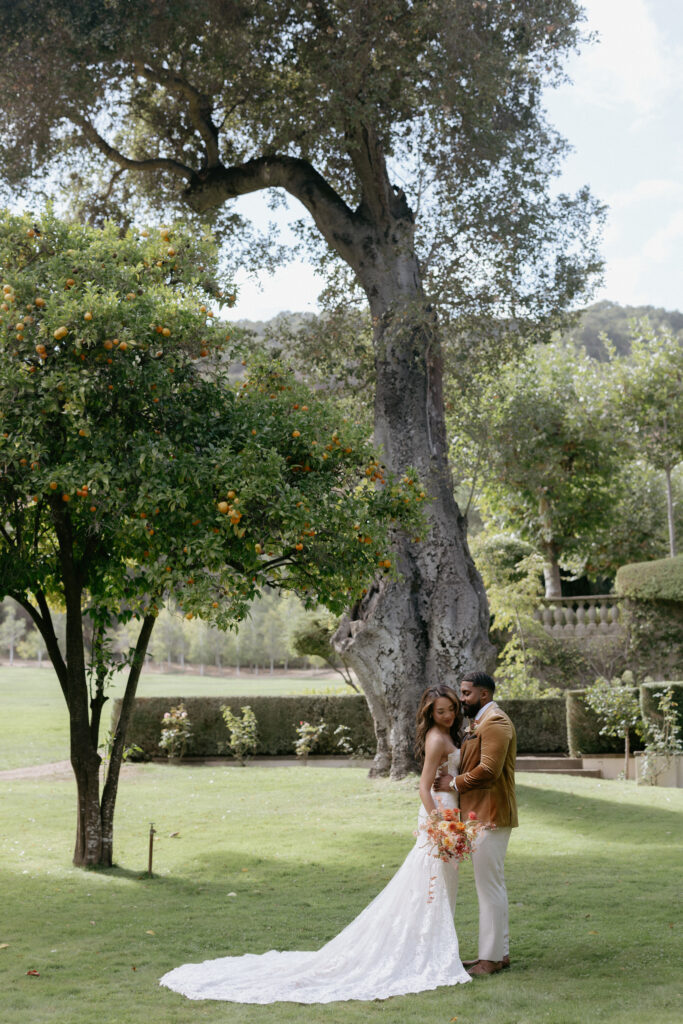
[541,725]
[583,730]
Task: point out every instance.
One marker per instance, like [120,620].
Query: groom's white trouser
[488,857]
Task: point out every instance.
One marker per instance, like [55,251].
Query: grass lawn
[34,725]
[591,876]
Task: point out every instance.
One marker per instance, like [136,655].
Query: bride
[404,941]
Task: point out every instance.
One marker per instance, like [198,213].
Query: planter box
[611,765]
[672,776]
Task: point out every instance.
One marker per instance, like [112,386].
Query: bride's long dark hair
[425,716]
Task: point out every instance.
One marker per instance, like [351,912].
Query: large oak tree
[413,133]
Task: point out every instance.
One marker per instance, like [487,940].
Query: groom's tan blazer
[486,782]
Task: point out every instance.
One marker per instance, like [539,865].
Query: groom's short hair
[482,680]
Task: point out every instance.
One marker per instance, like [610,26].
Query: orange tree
[134,470]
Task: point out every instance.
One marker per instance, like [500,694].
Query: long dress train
[404,941]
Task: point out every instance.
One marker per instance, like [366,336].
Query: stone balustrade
[574,617]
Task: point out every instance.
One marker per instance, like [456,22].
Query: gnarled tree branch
[126,163]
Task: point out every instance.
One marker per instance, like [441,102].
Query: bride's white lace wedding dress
[404,941]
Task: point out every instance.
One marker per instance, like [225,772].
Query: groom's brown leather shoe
[485,967]
[470,963]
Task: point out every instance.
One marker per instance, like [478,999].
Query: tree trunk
[670,514]
[85,762]
[551,576]
[430,626]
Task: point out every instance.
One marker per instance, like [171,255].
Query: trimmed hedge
[660,580]
[540,724]
[653,615]
[277,719]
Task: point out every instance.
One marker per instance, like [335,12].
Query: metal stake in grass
[152,833]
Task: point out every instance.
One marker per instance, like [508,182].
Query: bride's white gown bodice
[402,942]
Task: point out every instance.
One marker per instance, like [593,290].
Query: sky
[623,115]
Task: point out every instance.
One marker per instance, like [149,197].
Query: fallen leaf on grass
[592,933]
[34,974]
[135,968]
[5,945]
[232,894]
[150,932]
[174,835]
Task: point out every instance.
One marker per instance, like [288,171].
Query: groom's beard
[470,710]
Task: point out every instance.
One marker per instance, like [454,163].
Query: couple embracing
[405,940]
[480,779]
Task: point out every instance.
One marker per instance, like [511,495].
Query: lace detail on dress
[400,943]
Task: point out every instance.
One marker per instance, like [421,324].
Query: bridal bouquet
[448,838]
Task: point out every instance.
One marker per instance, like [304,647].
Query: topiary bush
[653,615]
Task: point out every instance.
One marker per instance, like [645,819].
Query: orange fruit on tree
[87,316]
[60,333]
[53,485]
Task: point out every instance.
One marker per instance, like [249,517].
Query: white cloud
[632,63]
[650,190]
[665,244]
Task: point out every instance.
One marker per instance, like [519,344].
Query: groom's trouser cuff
[488,859]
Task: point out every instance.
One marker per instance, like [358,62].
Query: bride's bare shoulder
[435,740]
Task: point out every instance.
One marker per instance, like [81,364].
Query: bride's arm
[433,758]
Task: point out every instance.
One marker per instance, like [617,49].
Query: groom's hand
[443,783]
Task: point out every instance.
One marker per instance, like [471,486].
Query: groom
[486,785]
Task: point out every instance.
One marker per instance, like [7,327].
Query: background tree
[312,638]
[546,437]
[649,396]
[135,473]
[413,135]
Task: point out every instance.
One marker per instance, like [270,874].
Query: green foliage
[450,93]
[243,732]
[649,393]
[615,704]
[543,431]
[176,731]
[136,472]
[617,708]
[308,737]
[312,638]
[512,573]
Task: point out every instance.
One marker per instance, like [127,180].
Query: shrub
[662,736]
[616,704]
[307,737]
[176,731]
[653,615]
[243,732]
